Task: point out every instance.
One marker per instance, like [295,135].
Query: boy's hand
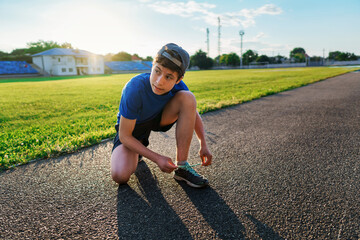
[205,156]
[165,164]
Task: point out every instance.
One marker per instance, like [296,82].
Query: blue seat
[128,66]
[16,67]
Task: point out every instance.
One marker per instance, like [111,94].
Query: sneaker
[190,176]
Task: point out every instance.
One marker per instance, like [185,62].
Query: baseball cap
[184,55]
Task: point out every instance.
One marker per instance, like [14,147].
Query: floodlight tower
[241,33]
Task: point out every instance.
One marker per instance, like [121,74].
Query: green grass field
[45,117]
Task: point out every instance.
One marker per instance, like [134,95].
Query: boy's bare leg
[182,107]
[123,164]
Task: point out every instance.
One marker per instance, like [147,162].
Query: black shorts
[142,130]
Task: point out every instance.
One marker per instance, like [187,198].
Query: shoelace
[189,168]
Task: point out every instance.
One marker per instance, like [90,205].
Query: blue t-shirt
[139,102]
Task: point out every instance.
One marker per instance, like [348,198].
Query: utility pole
[241,33]
[207,41]
[219,35]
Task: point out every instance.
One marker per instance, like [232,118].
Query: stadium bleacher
[16,67]
[148,63]
[128,66]
[22,67]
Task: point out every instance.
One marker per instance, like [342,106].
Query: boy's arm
[204,152]
[127,139]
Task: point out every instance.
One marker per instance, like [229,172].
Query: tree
[16,55]
[108,57]
[334,55]
[249,56]
[66,45]
[3,54]
[19,52]
[231,59]
[297,50]
[122,56]
[263,59]
[149,58]
[350,57]
[342,56]
[279,59]
[40,46]
[24,54]
[200,60]
[299,57]
[223,59]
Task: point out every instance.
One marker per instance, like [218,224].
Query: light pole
[241,36]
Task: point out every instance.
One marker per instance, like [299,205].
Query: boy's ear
[179,80]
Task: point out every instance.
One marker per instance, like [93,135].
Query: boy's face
[162,79]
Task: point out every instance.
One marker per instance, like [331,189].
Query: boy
[154,102]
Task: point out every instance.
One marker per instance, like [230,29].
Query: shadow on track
[265,232]
[147,215]
[216,212]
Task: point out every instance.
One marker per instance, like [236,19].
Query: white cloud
[246,17]
[255,39]
[269,9]
[203,11]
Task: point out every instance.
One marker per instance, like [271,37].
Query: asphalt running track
[286,166]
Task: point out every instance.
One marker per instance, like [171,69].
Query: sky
[271,27]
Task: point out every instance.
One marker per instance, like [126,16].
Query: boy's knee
[120,178]
[187,98]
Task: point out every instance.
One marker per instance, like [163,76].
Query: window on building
[63,69]
[59,59]
[71,70]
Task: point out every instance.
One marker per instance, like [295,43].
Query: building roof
[64,51]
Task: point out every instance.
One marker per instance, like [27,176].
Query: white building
[62,61]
